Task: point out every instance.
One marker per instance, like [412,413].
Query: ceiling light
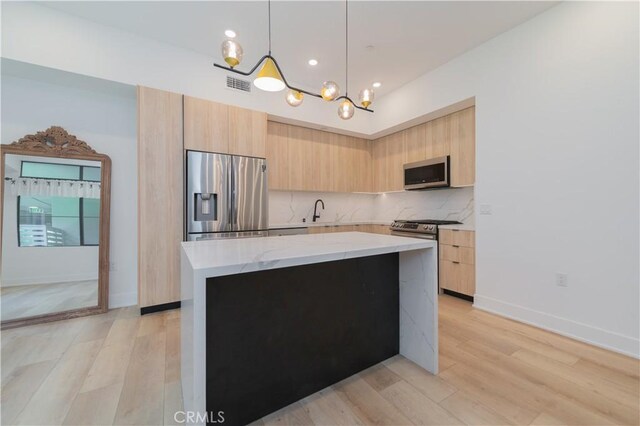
[269,78]
[377,84]
[294,98]
[330,90]
[366,97]
[231,52]
[346,109]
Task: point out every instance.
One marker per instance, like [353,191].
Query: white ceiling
[408,38]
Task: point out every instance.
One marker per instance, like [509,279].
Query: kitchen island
[268,321]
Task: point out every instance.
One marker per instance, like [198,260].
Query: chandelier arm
[241,72]
[286,83]
[354,104]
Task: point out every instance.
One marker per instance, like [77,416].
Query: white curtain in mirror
[53,188]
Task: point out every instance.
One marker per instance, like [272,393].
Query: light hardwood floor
[120,368]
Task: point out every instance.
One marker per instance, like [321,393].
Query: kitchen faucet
[315,208]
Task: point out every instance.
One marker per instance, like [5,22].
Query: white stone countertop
[232,256]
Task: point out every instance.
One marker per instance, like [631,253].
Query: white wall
[107,122]
[80,46]
[557,159]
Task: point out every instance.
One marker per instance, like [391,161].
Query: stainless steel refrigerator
[226,196]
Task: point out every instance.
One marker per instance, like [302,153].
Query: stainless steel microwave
[431,173]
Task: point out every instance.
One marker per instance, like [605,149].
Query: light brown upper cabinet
[388,157]
[452,135]
[206,125]
[215,127]
[303,159]
[160,157]
[277,152]
[463,147]
[247,132]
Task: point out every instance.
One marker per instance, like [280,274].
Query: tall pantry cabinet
[160,181]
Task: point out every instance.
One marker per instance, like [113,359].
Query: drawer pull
[455,230]
[455,261]
[456,246]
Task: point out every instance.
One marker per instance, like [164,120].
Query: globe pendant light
[231,52]
[346,109]
[294,98]
[366,97]
[330,91]
[269,78]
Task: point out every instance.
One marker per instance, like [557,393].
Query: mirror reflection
[51,229]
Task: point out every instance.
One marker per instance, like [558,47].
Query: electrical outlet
[562,280]
[112,266]
[486,209]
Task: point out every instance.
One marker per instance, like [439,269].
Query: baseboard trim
[157,308]
[585,333]
[120,300]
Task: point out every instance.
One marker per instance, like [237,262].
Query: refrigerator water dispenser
[205,207]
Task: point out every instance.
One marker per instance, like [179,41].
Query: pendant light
[294,98]
[231,52]
[271,78]
[366,97]
[346,107]
[330,91]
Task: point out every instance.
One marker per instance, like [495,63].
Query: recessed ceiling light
[312,62]
[230,33]
[377,84]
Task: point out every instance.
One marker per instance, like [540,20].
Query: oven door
[414,235]
[432,173]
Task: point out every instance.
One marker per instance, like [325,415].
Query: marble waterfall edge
[418,272]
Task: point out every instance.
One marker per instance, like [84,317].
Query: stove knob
[425,227]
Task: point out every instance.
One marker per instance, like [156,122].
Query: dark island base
[277,336]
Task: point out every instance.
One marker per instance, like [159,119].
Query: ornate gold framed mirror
[54,224]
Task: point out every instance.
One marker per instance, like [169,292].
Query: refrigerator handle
[231,191]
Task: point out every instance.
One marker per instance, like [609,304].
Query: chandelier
[271,78]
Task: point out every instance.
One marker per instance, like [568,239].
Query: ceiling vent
[238,84]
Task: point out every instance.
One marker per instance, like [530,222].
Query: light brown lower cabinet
[457,267]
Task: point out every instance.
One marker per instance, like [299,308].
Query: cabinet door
[206,125]
[458,277]
[160,196]
[300,147]
[379,152]
[362,161]
[454,237]
[415,143]
[340,158]
[277,151]
[395,161]
[321,164]
[247,132]
[438,137]
[463,147]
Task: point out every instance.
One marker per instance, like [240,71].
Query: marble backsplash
[291,207]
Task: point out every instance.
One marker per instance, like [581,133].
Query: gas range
[424,228]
